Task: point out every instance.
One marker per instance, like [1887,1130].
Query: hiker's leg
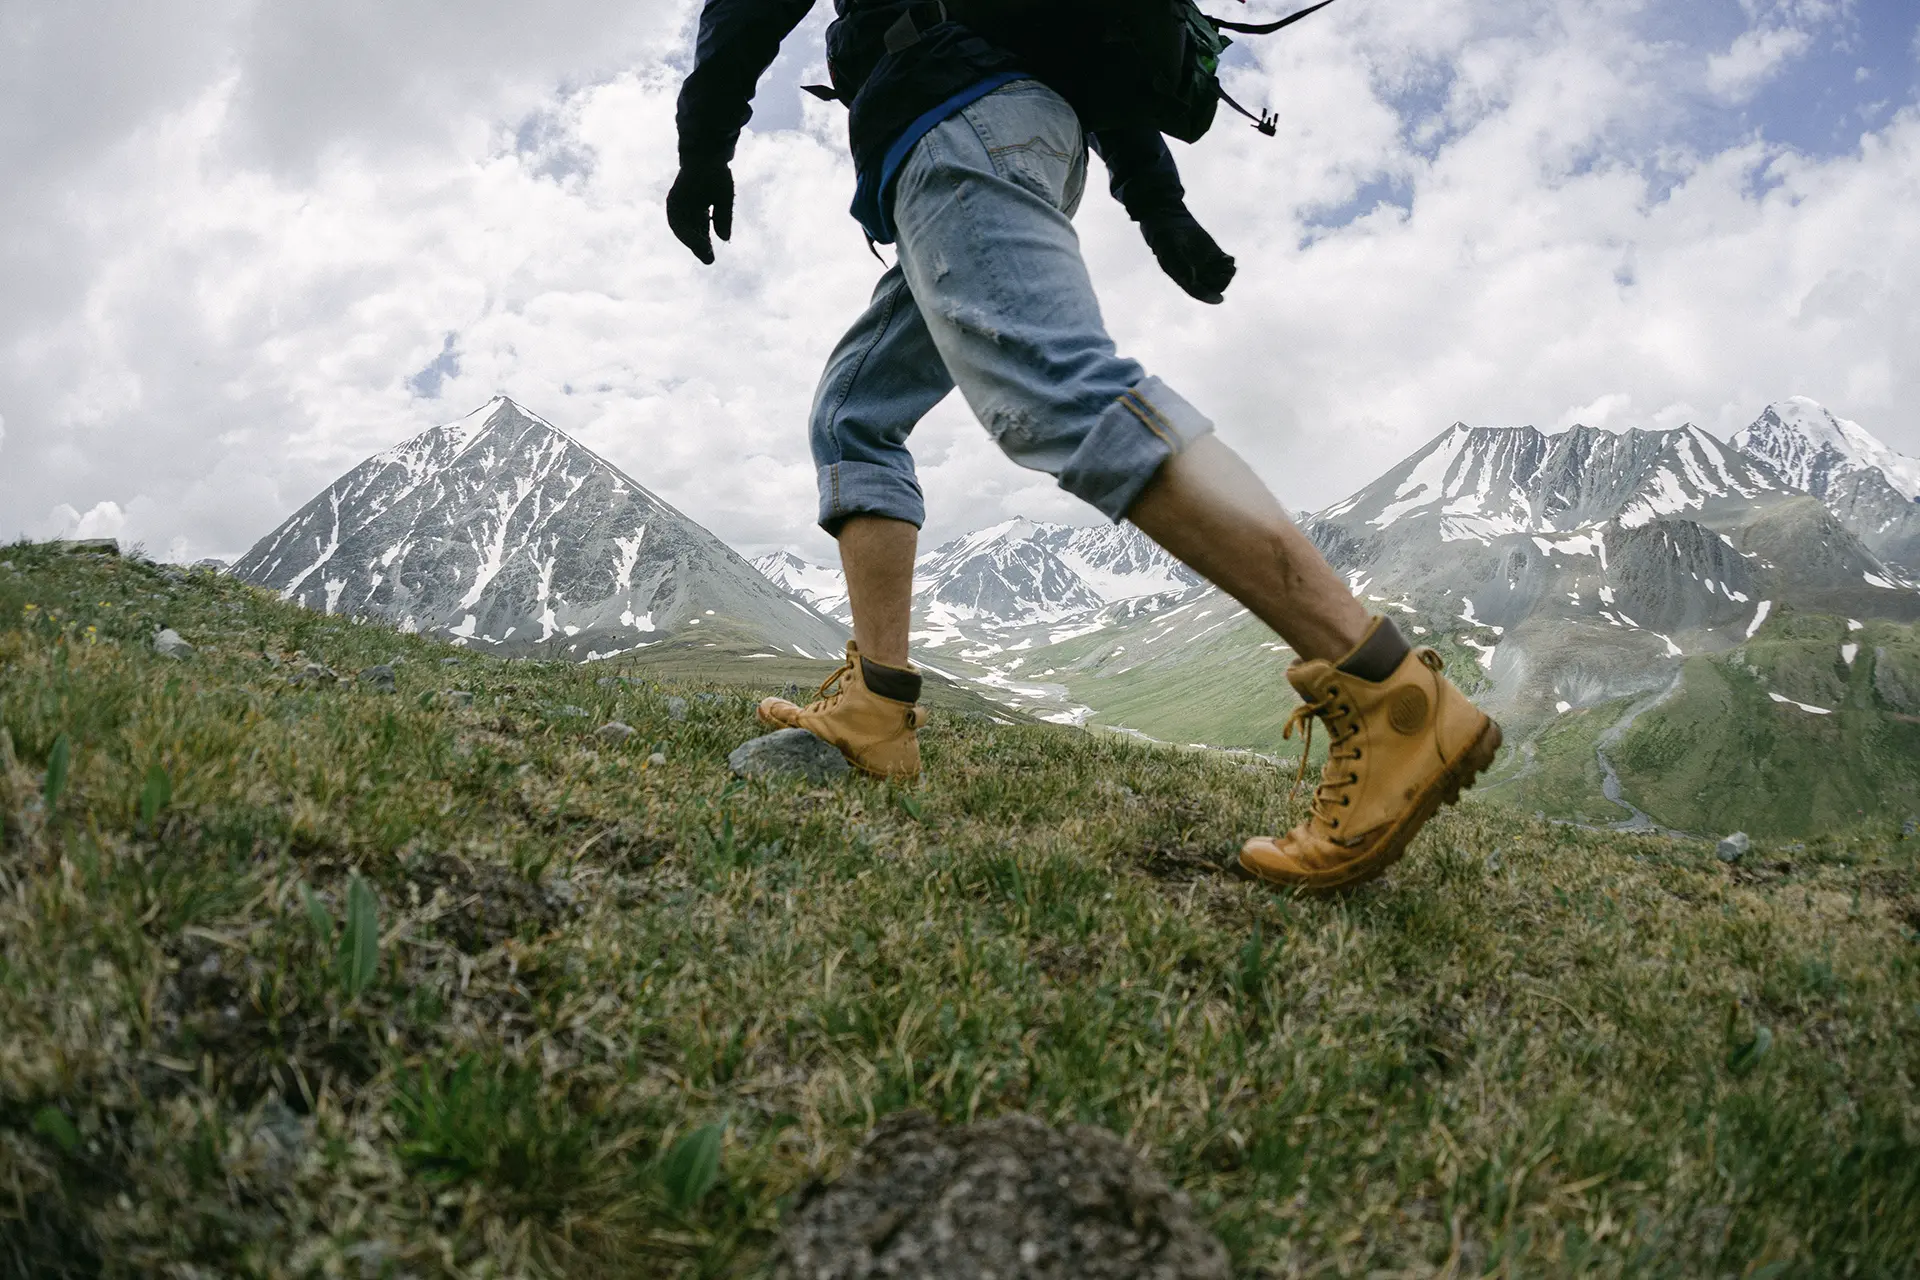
[880,381]
[984,207]
[877,554]
[1207,507]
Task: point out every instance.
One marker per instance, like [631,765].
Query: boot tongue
[1310,679]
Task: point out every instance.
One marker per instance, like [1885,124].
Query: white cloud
[105,520]
[1754,58]
[219,292]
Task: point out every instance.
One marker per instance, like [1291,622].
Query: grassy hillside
[1207,672]
[304,978]
[1727,754]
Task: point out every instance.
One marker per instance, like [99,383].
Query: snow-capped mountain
[1477,483]
[821,586]
[1019,573]
[504,533]
[1600,559]
[1811,448]
[1871,489]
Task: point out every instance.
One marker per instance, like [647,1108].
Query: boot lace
[1330,798]
[821,702]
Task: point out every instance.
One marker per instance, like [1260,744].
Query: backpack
[1168,48]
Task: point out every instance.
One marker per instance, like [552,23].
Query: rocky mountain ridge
[504,533]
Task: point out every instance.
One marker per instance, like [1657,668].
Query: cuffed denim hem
[849,489]
[1137,433]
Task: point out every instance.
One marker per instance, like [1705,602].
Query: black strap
[1267,28]
[1266,122]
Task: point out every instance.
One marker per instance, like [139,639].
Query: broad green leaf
[693,1166]
[57,762]
[1747,1055]
[360,942]
[52,1123]
[156,795]
[317,912]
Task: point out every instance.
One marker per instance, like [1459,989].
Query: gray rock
[1735,847]
[458,698]
[606,682]
[314,674]
[88,546]
[710,699]
[449,662]
[792,752]
[570,713]
[657,759]
[379,679]
[676,708]
[613,732]
[1010,1197]
[168,644]
[397,660]
[1910,828]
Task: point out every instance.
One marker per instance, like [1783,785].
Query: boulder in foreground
[1011,1198]
[788,753]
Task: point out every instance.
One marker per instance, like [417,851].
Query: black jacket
[739,40]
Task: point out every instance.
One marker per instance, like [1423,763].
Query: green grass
[1724,756]
[588,1017]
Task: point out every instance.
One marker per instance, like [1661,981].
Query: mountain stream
[1610,778]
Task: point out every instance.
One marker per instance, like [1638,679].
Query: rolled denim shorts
[991,294]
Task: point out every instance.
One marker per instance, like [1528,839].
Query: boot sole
[1445,789]
[760,714]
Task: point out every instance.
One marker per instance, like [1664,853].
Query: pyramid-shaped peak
[1812,446]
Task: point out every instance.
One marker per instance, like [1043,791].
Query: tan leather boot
[877,735]
[1401,749]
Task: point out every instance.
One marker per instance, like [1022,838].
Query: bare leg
[877,555]
[1208,508]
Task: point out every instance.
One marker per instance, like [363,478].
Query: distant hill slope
[503,533]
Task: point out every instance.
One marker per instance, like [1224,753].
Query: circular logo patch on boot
[1407,710]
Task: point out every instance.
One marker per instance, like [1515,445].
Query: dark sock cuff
[890,682]
[1379,655]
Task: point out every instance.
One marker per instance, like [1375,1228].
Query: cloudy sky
[245,243]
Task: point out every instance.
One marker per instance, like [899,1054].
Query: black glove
[701,193]
[1189,255]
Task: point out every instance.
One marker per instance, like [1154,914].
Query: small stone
[572,713]
[790,752]
[1735,847]
[676,708]
[88,546]
[710,699]
[379,679]
[614,732]
[1910,829]
[657,759]
[606,682]
[168,644]
[397,660]
[458,698]
[315,673]
[1009,1197]
[449,662]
